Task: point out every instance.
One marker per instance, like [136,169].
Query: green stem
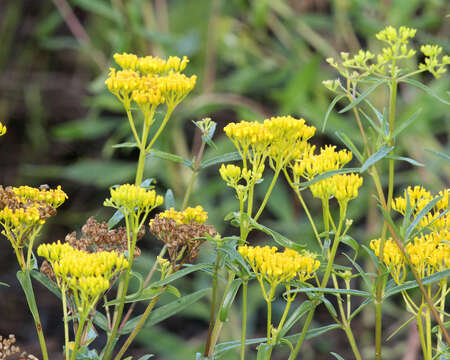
[121,296]
[244,318]
[161,128]
[138,327]
[300,198]
[194,175]
[351,339]
[66,322]
[212,313]
[440,344]
[83,317]
[380,282]
[422,336]
[343,210]
[428,334]
[269,191]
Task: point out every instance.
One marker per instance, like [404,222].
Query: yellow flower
[189,215]
[133,198]
[392,258]
[20,219]
[53,197]
[344,187]
[277,267]
[2,129]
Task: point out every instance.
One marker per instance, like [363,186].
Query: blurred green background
[254,59]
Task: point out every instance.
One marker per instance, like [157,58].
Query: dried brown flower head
[183,240]
[9,351]
[97,237]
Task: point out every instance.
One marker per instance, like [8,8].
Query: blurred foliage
[254,59]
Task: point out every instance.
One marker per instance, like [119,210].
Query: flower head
[133,198]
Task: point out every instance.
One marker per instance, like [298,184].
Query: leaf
[115,219]
[166,311]
[4,284]
[173,290]
[421,215]
[439,154]
[229,299]
[371,254]
[360,270]
[401,327]
[378,129]
[171,157]
[362,96]
[380,154]
[101,321]
[25,283]
[331,291]
[361,307]
[178,275]
[310,334]
[231,156]
[295,316]
[280,239]
[145,294]
[326,175]
[413,283]
[169,200]
[125,145]
[44,280]
[347,142]
[348,240]
[100,8]
[425,88]
[337,356]
[330,108]
[263,351]
[329,306]
[407,159]
[406,123]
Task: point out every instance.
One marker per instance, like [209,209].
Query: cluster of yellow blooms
[277,267]
[365,63]
[419,197]
[2,129]
[428,253]
[150,80]
[187,216]
[131,198]
[344,187]
[328,159]
[281,138]
[88,275]
[52,197]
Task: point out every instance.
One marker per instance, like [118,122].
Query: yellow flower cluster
[133,198]
[344,187]
[150,80]
[88,274]
[232,174]
[187,216]
[52,197]
[277,267]
[22,218]
[328,159]
[281,138]
[365,63]
[2,129]
[419,197]
[429,253]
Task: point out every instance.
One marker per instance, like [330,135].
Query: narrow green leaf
[421,215]
[125,145]
[25,283]
[348,240]
[361,307]
[406,123]
[329,306]
[229,299]
[169,200]
[401,327]
[347,142]
[101,321]
[360,271]
[280,239]
[437,327]
[362,96]
[166,311]
[171,157]
[232,156]
[380,154]
[378,129]
[407,159]
[4,284]
[44,280]
[413,283]
[326,175]
[439,154]
[146,357]
[99,8]
[115,219]
[295,316]
[173,290]
[331,291]
[263,351]
[425,88]
[310,334]
[144,295]
[178,275]
[371,254]
[337,356]
[330,108]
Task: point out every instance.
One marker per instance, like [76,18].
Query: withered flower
[9,351]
